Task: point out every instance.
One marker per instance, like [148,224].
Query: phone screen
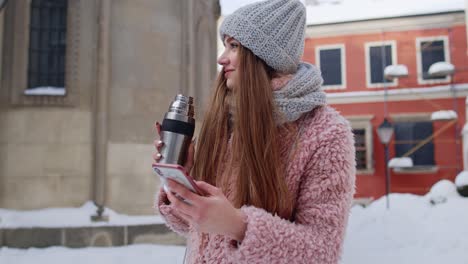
[177,173]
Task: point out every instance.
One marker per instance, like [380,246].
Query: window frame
[418,41]
[367,46]
[342,61]
[16,55]
[364,122]
[415,117]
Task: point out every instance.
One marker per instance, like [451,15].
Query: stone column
[200,50]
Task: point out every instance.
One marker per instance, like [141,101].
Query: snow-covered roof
[336,11]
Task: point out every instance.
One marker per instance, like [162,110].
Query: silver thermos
[177,130]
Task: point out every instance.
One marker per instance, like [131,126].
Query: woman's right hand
[158,144]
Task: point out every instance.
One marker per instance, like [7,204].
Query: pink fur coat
[321,177]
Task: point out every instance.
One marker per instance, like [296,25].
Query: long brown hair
[255,152]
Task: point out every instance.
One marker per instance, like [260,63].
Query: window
[331,61]
[409,134]
[47,46]
[431,50]
[362,130]
[378,56]
[361,150]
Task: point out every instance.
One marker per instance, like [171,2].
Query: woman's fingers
[183,191]
[182,207]
[158,144]
[157,157]
[208,188]
[158,128]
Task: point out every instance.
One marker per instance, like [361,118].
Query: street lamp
[385,133]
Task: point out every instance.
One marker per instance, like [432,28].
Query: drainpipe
[101,106]
[465,138]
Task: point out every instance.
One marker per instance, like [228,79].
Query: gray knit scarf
[300,95]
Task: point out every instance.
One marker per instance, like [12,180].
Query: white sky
[349,10]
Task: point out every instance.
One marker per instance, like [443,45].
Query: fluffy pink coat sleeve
[325,194]
[173,221]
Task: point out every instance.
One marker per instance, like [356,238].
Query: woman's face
[229,59]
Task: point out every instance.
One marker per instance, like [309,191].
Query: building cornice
[416,22]
[400,94]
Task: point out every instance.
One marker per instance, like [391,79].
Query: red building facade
[352,56]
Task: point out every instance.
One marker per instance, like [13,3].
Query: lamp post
[385,133]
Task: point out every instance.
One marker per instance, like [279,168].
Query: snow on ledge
[70,217]
[462,179]
[441,68]
[405,162]
[444,115]
[53,91]
[395,71]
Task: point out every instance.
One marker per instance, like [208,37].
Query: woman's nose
[222,60]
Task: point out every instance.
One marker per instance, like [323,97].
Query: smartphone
[177,173]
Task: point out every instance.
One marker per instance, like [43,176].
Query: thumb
[208,188]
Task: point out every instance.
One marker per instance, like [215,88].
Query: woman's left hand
[212,213]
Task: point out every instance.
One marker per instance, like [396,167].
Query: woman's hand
[158,144]
[212,213]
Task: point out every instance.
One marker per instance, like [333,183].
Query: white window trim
[343,64]
[367,47]
[419,58]
[364,122]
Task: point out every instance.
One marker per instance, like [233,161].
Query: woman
[276,164]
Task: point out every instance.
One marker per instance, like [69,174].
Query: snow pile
[53,91]
[395,71]
[141,254]
[462,179]
[70,217]
[405,162]
[444,115]
[411,231]
[441,68]
[442,191]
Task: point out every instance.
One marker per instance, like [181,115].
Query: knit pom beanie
[273,30]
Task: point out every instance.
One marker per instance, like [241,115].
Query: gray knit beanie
[273,30]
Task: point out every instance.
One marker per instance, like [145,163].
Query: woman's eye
[234,45]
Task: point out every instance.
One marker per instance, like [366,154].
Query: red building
[353,55]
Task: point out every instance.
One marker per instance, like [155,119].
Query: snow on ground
[413,230]
[140,254]
[69,217]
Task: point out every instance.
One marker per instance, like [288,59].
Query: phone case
[177,173]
